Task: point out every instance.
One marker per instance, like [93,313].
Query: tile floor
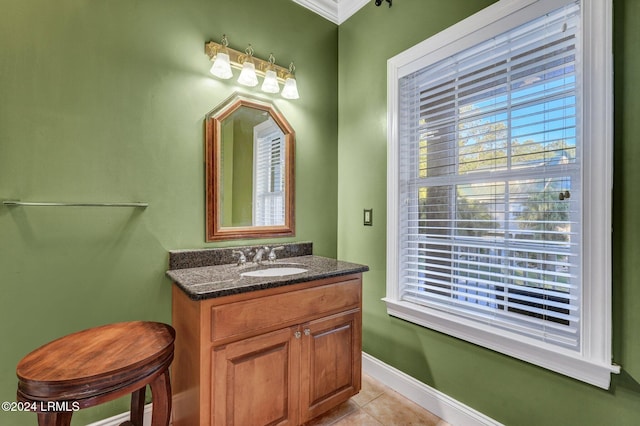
[378,405]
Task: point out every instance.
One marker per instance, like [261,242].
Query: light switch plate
[368,217]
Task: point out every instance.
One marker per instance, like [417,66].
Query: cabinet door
[253,380]
[331,361]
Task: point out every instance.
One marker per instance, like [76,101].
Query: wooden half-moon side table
[97,365]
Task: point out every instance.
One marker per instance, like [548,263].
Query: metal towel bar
[39,204]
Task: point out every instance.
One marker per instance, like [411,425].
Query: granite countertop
[205,282]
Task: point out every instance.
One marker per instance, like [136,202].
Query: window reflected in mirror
[268,176]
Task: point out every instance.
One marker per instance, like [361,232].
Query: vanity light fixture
[290,90]
[224,58]
[248,75]
[221,67]
[270,83]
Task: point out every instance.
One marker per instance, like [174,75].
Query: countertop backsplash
[196,258]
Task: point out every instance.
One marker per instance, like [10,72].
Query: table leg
[137,406]
[161,393]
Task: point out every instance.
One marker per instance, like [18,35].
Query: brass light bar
[237,58]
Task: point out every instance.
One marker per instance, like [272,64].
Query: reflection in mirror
[250,151]
[252,169]
[268,174]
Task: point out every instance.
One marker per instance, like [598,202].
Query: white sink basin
[274,272]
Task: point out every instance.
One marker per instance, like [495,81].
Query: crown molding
[346,8]
[336,11]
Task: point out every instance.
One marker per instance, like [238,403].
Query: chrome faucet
[258,256]
[242,259]
[272,253]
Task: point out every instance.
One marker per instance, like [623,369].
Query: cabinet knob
[307,332]
[297,334]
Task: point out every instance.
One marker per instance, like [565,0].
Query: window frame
[592,362]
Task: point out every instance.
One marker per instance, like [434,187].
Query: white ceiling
[336,11]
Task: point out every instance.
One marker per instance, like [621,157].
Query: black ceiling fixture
[379,2]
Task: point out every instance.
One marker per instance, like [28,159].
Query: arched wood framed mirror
[249,150]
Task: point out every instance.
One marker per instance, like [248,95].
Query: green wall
[508,390]
[104,100]
[242,201]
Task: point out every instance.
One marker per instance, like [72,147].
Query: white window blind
[490,185]
[269,151]
[499,183]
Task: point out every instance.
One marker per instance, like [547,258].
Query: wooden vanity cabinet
[280,356]
[253,380]
[330,367]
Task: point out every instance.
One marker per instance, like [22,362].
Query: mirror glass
[250,151]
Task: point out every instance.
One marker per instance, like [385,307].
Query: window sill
[565,362]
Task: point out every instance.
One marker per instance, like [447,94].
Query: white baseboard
[123,417]
[443,406]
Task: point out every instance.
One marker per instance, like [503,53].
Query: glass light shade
[290,89]
[248,75]
[270,83]
[221,67]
